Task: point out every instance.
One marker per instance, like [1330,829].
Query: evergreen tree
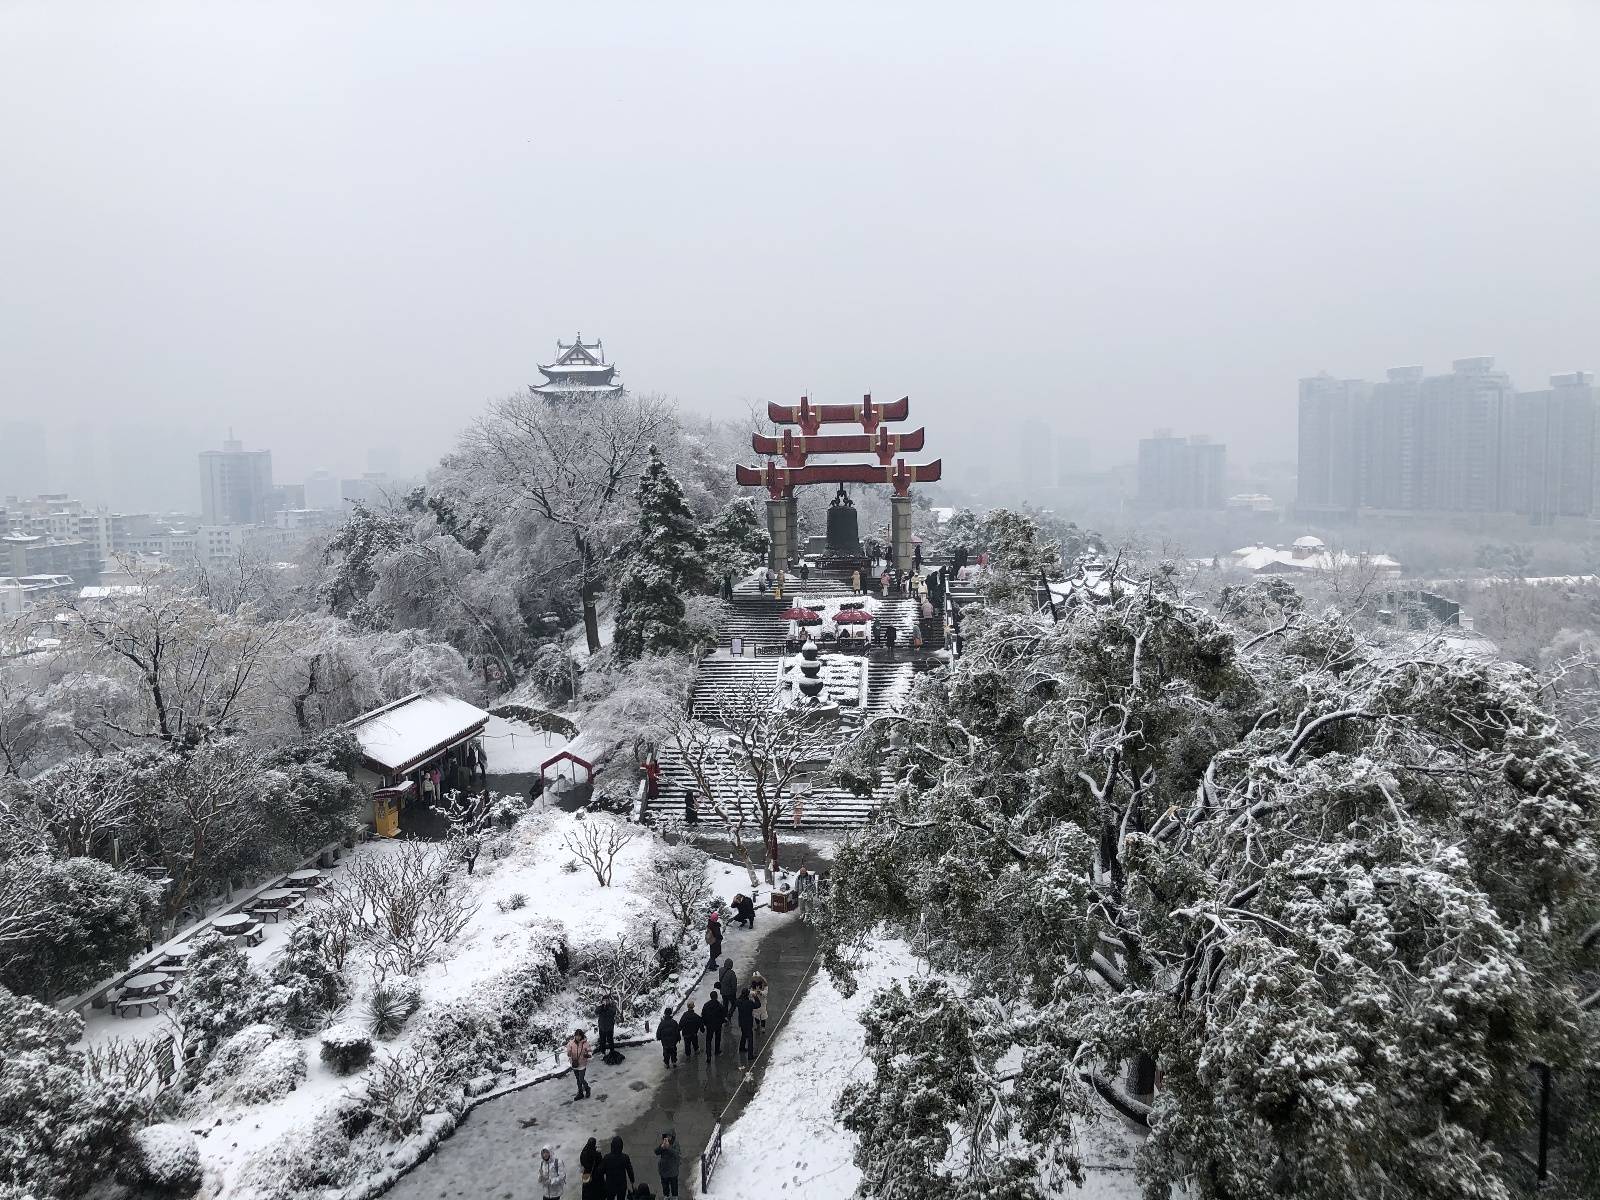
[1339,895]
[736,539]
[665,558]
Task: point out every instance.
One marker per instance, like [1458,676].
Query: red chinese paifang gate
[789,466]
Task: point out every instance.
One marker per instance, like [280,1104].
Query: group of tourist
[610,1176]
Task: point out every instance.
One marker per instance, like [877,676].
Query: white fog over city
[859,601]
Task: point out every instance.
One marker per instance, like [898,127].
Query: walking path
[494,1155]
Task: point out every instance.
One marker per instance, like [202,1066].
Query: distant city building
[286,496]
[24,459]
[1554,449]
[580,370]
[1252,502]
[1466,442]
[1308,553]
[1331,415]
[1181,473]
[20,594]
[322,491]
[1072,459]
[371,490]
[235,485]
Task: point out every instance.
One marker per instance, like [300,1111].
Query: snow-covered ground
[536,869]
[516,748]
[787,1141]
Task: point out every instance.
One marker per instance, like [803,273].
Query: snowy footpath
[495,1150]
[787,1142]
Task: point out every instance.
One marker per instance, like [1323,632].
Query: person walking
[728,984]
[714,1018]
[589,1164]
[855,582]
[606,1016]
[714,939]
[667,1035]
[746,1009]
[690,1025]
[618,1170]
[668,1161]
[552,1176]
[579,1054]
[758,993]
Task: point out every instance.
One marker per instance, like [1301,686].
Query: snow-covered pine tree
[1307,907]
[665,558]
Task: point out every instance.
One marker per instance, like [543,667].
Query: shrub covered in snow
[221,995]
[512,902]
[306,983]
[310,1161]
[404,1087]
[164,1159]
[346,1048]
[255,1065]
[61,1130]
[391,1004]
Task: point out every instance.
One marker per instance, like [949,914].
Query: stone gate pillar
[778,530]
[900,532]
[796,550]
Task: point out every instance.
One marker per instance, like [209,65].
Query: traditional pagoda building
[580,370]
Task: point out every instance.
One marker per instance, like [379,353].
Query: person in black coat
[606,1016]
[746,1008]
[667,1035]
[618,1170]
[690,1025]
[714,1017]
[744,911]
[728,985]
[590,1163]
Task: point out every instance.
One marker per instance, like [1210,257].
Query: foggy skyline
[340,229]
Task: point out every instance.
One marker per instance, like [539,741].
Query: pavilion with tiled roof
[580,369]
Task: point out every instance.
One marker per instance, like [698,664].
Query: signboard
[736,647]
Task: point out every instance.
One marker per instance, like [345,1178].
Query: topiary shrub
[346,1048]
[164,1160]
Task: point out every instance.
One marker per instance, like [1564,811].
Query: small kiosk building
[415,750]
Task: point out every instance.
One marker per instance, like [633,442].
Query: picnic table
[308,878]
[239,925]
[176,957]
[277,903]
[146,983]
[147,989]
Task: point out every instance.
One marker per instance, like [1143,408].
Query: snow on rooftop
[399,735]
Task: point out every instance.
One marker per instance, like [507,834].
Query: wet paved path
[494,1154]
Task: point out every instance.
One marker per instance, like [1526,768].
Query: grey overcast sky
[342,225]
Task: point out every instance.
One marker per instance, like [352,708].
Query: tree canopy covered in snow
[1307,907]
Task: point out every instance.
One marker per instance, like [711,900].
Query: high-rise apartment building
[1464,439]
[1553,449]
[1181,473]
[1332,412]
[1466,442]
[235,485]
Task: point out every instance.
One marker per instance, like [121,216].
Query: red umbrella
[851,616]
[802,616]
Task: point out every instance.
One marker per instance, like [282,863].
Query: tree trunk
[591,619]
[771,847]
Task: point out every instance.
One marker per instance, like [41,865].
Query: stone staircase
[722,681]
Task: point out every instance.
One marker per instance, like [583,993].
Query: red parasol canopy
[802,616]
[851,616]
